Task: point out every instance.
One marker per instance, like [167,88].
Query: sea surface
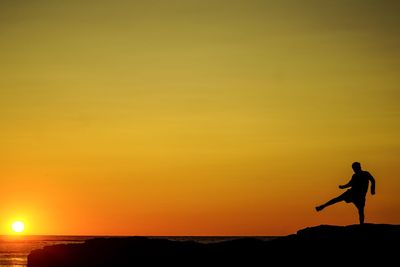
[14,250]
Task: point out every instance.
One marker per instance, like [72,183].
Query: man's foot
[319,208]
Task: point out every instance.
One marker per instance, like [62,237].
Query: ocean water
[14,250]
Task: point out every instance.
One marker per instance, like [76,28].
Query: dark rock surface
[369,244]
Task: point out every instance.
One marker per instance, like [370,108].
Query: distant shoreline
[14,249]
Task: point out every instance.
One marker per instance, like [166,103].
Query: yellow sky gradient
[195,117]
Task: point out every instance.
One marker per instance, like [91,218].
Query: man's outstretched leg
[330,202]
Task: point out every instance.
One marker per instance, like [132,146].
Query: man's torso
[360,182]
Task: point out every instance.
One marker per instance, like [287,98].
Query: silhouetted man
[357,192]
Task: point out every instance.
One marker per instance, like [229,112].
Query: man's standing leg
[360,207]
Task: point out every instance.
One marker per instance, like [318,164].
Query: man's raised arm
[346,185]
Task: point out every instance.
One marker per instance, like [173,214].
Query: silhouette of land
[323,245]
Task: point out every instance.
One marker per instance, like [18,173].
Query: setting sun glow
[18,226]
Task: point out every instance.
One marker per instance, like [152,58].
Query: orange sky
[195,117]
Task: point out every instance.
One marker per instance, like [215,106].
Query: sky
[193,117]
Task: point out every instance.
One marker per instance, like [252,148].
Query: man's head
[356,166]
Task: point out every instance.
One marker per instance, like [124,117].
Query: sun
[18,226]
